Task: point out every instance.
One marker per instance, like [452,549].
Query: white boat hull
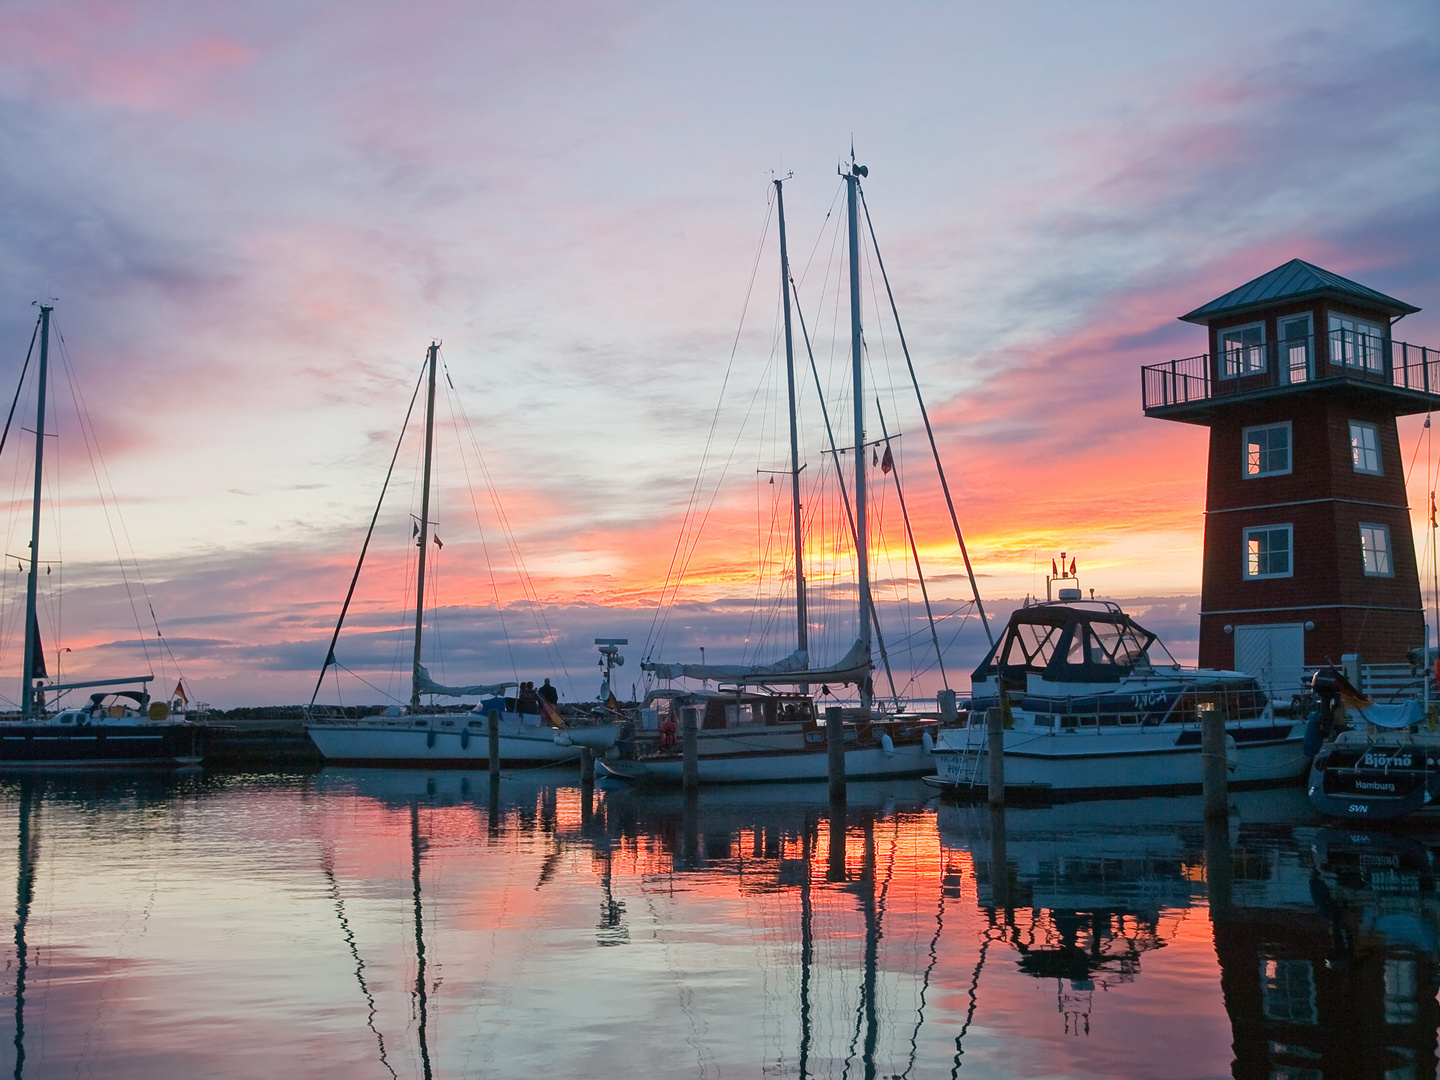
[1113,761]
[776,766]
[406,742]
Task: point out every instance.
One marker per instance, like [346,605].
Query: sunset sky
[256,217]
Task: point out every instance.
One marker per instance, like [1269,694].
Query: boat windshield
[1032,645]
[1072,643]
[1111,643]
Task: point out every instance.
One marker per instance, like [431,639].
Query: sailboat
[435,737]
[750,732]
[116,726]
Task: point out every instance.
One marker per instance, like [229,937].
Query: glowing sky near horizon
[255,218]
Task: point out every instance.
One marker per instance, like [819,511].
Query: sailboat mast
[802,632]
[432,360]
[862,543]
[32,629]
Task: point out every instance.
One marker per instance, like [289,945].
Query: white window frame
[1286,349]
[1357,343]
[1378,559]
[1247,360]
[1245,568]
[1361,452]
[1245,451]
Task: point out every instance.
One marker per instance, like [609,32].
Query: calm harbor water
[375,923]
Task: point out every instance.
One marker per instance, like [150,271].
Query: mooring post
[835,744]
[493,751]
[690,738]
[999,861]
[1213,765]
[587,766]
[1219,868]
[995,754]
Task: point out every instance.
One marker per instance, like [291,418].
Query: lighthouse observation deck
[1406,376]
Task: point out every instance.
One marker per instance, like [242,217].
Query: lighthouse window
[1375,549]
[1242,350]
[1267,450]
[1267,552]
[1365,447]
[1295,348]
[1355,343]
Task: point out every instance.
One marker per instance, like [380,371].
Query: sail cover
[854,667]
[424,684]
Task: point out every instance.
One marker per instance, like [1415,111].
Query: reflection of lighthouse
[1348,986]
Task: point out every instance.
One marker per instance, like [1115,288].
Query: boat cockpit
[1084,642]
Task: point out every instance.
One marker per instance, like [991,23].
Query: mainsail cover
[426,685]
[854,667]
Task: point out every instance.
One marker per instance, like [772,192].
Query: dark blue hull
[1375,782]
[24,745]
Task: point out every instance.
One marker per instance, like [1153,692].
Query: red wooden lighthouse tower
[1308,547]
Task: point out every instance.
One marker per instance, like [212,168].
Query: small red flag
[438,544]
[1054,570]
[1072,567]
[887,463]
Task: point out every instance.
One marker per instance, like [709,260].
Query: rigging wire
[925,415]
[681,556]
[527,582]
[101,471]
[345,607]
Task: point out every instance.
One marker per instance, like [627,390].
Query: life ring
[667,735]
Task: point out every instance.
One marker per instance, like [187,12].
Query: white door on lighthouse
[1275,655]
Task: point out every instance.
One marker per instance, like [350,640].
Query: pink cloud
[115,54]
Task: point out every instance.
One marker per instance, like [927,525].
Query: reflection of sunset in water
[368,923]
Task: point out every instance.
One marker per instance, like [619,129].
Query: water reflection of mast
[419,935]
[24,890]
[807,946]
[328,868]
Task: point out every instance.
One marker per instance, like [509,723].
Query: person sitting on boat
[549,693]
[528,702]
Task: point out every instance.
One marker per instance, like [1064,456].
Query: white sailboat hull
[1115,761]
[775,766]
[409,741]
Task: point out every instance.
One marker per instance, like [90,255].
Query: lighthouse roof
[1296,280]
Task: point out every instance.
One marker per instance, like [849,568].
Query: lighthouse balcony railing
[1341,354]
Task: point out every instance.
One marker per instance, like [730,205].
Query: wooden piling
[1212,763]
[587,766]
[493,751]
[835,744]
[999,861]
[690,737]
[995,754]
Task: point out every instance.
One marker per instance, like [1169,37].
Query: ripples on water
[371,923]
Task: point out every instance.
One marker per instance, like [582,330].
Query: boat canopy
[1070,643]
[424,684]
[854,667]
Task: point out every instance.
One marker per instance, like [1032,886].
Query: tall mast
[862,542]
[802,632]
[32,630]
[431,360]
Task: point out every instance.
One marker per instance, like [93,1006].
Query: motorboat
[1094,705]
